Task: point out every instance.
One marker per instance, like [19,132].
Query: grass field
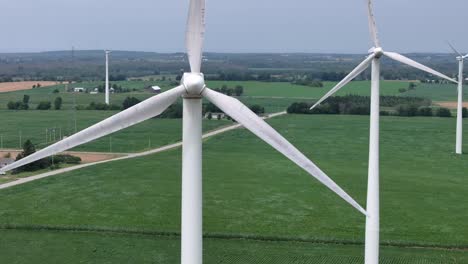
[437,92]
[33,124]
[272,91]
[36,246]
[251,192]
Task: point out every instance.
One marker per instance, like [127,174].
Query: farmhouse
[95,91]
[79,89]
[155,89]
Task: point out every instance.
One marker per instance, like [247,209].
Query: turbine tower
[107,75]
[192,90]
[459,140]
[373,196]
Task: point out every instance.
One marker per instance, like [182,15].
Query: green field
[437,92]
[253,193]
[273,91]
[36,247]
[33,124]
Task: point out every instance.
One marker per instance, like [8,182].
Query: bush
[129,102]
[17,105]
[425,111]
[102,106]
[44,105]
[407,110]
[464,112]
[58,103]
[257,109]
[174,111]
[444,112]
[402,90]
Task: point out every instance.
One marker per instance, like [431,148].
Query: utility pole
[1,141]
[20,139]
[46,139]
[110,144]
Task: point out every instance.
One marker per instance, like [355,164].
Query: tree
[464,112]
[129,102]
[11,105]
[257,109]
[58,103]
[210,116]
[26,99]
[444,112]
[238,90]
[28,149]
[56,91]
[44,105]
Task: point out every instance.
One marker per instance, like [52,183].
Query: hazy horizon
[297,26]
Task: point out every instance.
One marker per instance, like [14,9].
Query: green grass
[69,98]
[436,92]
[251,89]
[288,90]
[33,124]
[21,247]
[252,191]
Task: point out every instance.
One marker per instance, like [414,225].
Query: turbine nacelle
[378,52]
[194,83]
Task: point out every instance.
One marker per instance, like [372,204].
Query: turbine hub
[378,52]
[194,83]
[459,58]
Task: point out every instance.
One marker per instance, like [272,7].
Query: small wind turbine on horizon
[107,75]
[461,60]
[373,196]
[192,90]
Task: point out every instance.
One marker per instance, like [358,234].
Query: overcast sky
[232,26]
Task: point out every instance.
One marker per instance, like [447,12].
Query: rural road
[128,156]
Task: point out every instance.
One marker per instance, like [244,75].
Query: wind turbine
[373,60]
[461,60]
[192,90]
[107,75]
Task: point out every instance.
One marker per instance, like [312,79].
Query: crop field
[23,125]
[275,213]
[437,92]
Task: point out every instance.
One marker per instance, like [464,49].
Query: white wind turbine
[373,203]
[192,90]
[459,140]
[107,75]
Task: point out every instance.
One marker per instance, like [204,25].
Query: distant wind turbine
[373,203]
[459,141]
[107,75]
[192,90]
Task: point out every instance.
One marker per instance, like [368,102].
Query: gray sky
[232,26]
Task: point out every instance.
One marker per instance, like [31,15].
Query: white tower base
[192,233]
[459,143]
[372,221]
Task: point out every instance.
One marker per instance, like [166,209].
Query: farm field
[423,198]
[437,92]
[18,86]
[33,124]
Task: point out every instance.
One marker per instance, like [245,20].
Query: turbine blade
[372,24]
[195,34]
[260,128]
[466,56]
[454,49]
[417,65]
[353,74]
[133,115]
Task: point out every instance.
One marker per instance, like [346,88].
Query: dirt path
[126,156]
[86,157]
[18,86]
[451,105]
